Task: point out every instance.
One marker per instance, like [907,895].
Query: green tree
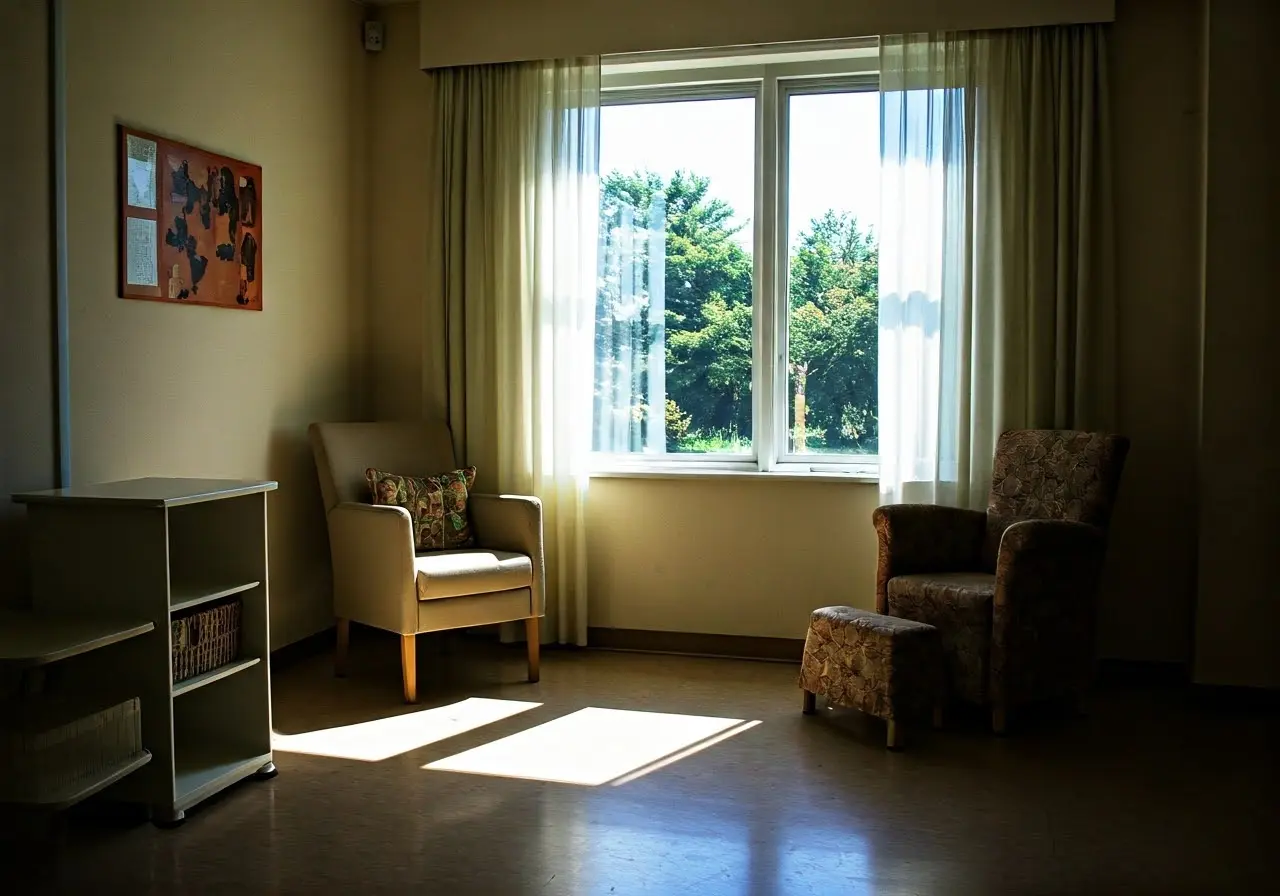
[832,336]
[709,368]
[703,258]
[708,319]
[707,289]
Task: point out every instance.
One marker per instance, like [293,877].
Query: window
[674,309]
[737,316]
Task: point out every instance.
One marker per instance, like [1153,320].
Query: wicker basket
[57,744]
[205,639]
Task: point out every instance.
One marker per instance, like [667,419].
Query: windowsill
[691,472]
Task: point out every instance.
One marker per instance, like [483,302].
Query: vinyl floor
[641,774]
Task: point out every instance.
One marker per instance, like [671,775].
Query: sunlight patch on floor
[380,739]
[594,746]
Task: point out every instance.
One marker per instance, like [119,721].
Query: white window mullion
[764,375]
[779,259]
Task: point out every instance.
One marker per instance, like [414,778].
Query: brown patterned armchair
[1012,589]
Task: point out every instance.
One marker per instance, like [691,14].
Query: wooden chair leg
[533,641]
[344,641]
[810,703]
[893,739]
[409,666]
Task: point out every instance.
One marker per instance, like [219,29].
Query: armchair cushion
[925,538]
[960,606]
[459,573]
[437,505]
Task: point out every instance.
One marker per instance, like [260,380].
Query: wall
[1239,604]
[694,555]
[399,122]
[1146,610]
[464,34]
[166,390]
[728,557]
[27,422]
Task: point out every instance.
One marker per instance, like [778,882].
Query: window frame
[782,458]
[677,93]
[707,77]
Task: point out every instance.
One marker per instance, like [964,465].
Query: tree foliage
[707,286]
[832,334]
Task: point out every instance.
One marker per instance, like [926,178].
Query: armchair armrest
[1042,623]
[512,523]
[925,538]
[373,574]
[1037,555]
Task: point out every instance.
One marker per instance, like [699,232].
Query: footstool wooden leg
[810,703]
[894,739]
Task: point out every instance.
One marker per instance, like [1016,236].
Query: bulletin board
[190,224]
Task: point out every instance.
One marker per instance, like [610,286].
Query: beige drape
[1044,176]
[997,267]
[511,292]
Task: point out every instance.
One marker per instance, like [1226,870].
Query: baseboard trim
[1142,672]
[322,641]
[781,650]
[1237,697]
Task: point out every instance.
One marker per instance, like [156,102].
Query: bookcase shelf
[144,550]
[203,771]
[36,639]
[82,790]
[199,681]
[185,597]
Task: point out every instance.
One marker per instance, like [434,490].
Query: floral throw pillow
[437,505]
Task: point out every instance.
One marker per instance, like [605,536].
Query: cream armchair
[380,581]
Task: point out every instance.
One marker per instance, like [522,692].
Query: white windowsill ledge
[727,475]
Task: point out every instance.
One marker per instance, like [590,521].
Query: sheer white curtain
[926,298]
[511,297]
[996,270]
[631,366]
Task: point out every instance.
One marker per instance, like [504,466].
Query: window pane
[833,198]
[673,310]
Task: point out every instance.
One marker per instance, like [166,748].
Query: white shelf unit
[148,549]
[29,641]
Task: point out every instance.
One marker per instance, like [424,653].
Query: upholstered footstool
[882,665]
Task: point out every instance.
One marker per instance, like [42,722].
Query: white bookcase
[146,549]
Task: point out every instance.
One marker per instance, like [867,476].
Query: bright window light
[594,746]
[381,739]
